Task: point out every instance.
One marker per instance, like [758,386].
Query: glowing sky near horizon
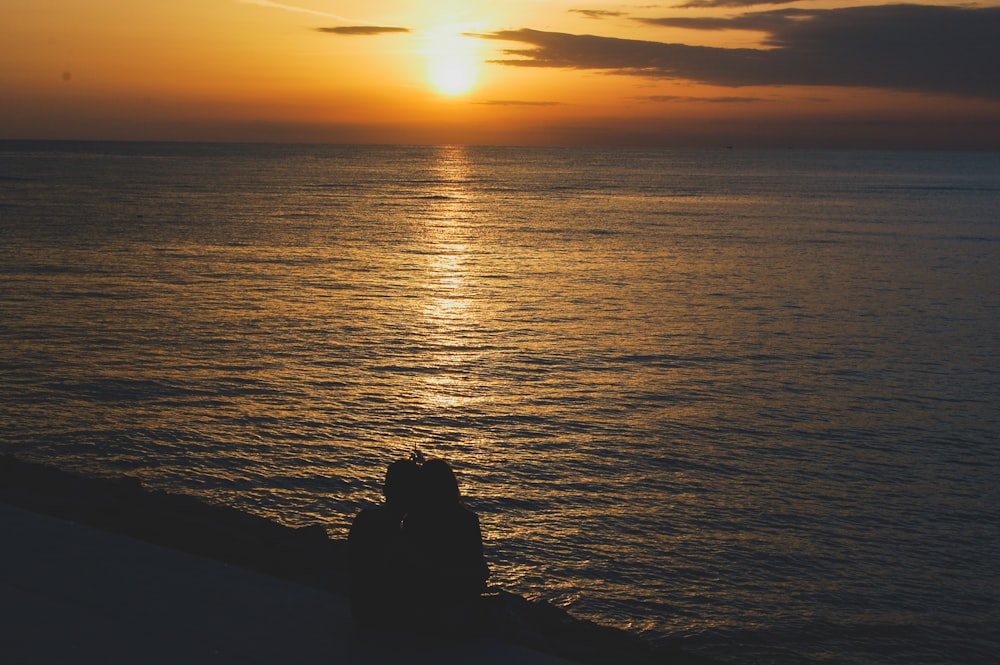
[702,72]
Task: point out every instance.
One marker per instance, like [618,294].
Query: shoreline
[305,555]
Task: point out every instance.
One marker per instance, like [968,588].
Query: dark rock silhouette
[123,505]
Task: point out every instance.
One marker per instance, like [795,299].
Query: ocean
[741,401]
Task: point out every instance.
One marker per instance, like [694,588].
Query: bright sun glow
[452,62]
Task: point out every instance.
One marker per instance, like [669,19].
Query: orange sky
[708,72]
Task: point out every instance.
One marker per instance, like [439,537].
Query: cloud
[769,21]
[516,102]
[357,30]
[602,13]
[921,48]
[298,10]
[713,100]
[732,3]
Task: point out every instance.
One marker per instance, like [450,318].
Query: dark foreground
[72,593]
[306,556]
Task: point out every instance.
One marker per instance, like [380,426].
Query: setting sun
[452,62]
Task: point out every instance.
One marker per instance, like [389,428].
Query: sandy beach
[101,570]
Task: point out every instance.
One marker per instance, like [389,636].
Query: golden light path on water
[455,312]
[456,309]
[448,311]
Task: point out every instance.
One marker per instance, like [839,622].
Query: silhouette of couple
[417,559]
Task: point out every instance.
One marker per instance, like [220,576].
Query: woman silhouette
[445,547]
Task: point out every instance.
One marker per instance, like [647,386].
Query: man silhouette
[379,585]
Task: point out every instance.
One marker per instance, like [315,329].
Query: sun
[452,62]
[451,76]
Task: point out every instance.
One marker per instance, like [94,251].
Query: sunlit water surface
[747,401]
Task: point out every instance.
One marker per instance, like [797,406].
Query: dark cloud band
[361,30]
[933,49]
[600,13]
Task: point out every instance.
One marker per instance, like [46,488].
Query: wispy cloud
[357,30]
[300,10]
[598,13]
[516,102]
[732,3]
[712,100]
[360,26]
[771,21]
[732,99]
[922,48]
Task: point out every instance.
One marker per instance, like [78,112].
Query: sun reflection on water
[447,316]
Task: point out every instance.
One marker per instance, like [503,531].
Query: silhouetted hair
[438,484]
[401,480]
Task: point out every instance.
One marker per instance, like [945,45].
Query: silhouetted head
[401,479]
[438,484]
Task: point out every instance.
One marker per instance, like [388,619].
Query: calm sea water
[747,401]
